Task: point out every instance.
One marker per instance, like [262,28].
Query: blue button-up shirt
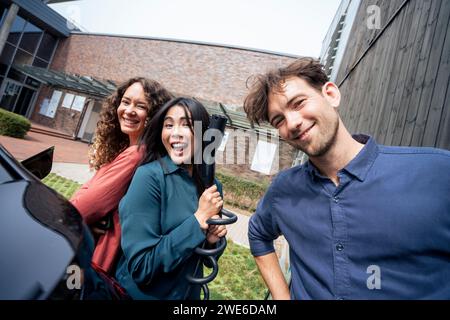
[382,233]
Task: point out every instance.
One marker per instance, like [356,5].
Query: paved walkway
[73,171]
[65,150]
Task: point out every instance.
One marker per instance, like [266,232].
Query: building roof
[82,84]
[42,16]
[103,88]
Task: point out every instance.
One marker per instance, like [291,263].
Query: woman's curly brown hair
[109,139]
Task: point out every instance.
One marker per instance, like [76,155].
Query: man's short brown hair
[257,101]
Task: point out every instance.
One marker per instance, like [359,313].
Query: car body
[46,248]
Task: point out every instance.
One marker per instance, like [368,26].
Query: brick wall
[207,72]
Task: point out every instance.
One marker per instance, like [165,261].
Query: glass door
[24,101]
[89,130]
[9,93]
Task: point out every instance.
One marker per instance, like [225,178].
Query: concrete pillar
[7,24]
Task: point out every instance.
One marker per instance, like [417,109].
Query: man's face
[304,116]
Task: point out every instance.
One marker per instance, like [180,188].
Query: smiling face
[177,136]
[132,112]
[305,117]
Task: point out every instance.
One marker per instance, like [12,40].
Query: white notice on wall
[53,104]
[224,142]
[44,107]
[78,103]
[68,99]
[263,157]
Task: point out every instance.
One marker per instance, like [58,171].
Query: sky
[295,27]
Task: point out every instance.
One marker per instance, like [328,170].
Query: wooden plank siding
[432,74]
[419,82]
[408,72]
[394,84]
[444,126]
[378,101]
[382,56]
[395,80]
[441,84]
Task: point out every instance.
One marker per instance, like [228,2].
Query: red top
[100,196]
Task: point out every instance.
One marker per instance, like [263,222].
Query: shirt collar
[168,165]
[360,165]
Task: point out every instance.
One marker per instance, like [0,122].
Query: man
[363,221]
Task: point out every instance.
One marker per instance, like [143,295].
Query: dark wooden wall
[395,81]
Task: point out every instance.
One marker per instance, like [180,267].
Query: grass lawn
[64,186]
[238,277]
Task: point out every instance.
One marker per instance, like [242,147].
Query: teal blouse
[160,232]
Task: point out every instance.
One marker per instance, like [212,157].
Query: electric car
[45,247]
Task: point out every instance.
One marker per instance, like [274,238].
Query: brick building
[84,68]
[29,34]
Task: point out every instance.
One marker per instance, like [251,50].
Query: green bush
[13,125]
[241,193]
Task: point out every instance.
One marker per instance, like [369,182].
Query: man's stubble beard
[324,146]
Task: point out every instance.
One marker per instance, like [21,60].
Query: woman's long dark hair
[152,141]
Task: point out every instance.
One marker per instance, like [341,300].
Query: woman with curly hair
[115,155]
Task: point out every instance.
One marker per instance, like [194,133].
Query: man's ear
[331,92]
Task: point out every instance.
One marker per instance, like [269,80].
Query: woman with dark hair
[115,155]
[164,212]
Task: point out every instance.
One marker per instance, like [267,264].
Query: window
[16,30]
[5,58]
[22,57]
[16,75]
[32,82]
[28,45]
[40,63]
[10,95]
[30,38]
[46,47]
[3,13]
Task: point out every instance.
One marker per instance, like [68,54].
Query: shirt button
[335,199]
[339,247]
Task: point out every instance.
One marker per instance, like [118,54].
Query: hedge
[13,125]
[241,193]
